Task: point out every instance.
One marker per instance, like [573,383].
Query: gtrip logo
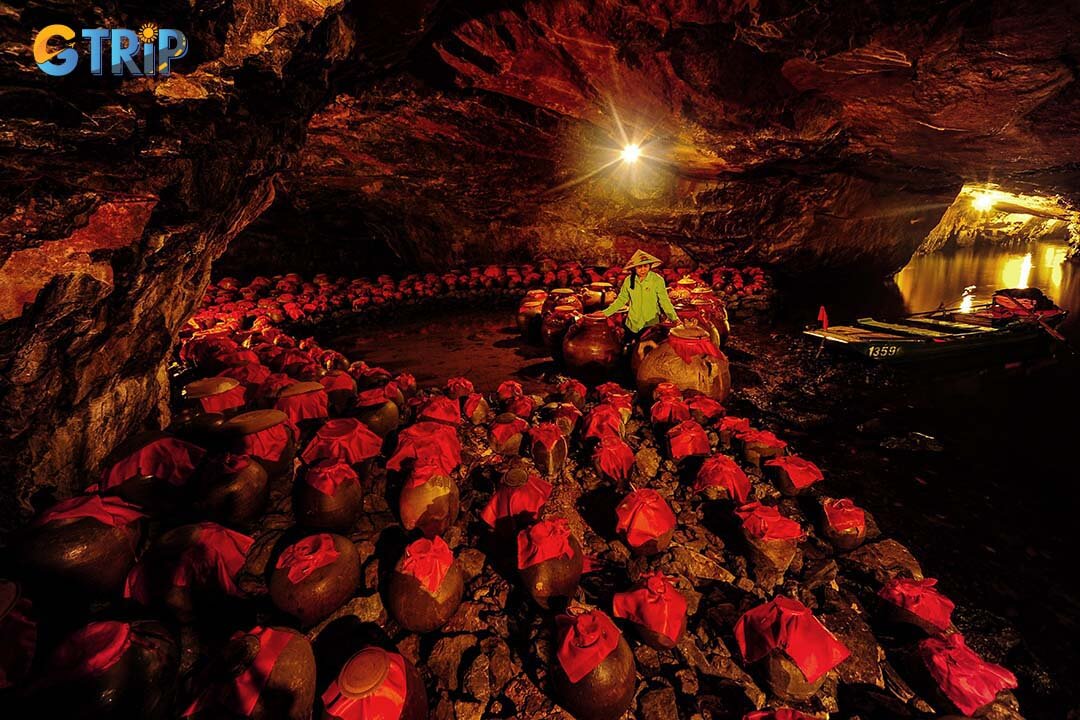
[146,52]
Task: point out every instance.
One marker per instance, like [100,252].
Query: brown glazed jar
[231,489]
[376,410]
[314,577]
[150,470]
[592,348]
[661,362]
[340,391]
[787,681]
[593,675]
[266,435]
[262,674]
[328,496]
[199,428]
[561,296]
[554,327]
[112,669]
[375,683]
[528,318]
[507,432]
[548,448]
[214,394]
[425,587]
[85,544]
[550,561]
[430,501]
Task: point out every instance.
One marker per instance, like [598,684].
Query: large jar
[377,410]
[425,586]
[528,318]
[594,674]
[554,327]
[267,435]
[561,296]
[214,395]
[375,683]
[592,348]
[328,496]
[550,561]
[315,576]
[688,359]
[231,489]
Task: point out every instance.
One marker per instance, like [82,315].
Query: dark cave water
[971,467]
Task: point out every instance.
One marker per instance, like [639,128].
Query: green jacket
[647,298]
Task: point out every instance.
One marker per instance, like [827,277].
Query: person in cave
[646,293]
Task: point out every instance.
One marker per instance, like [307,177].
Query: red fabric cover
[92,649]
[843,515]
[920,599]
[604,419]
[273,384]
[312,405]
[427,442]
[966,679]
[525,499]
[501,431]
[667,390]
[567,411]
[669,410]
[269,443]
[308,555]
[786,624]
[428,561]
[610,388]
[656,604]
[225,401]
[405,382]
[441,409]
[733,424]
[251,376]
[509,389]
[585,640]
[803,473]
[766,523]
[383,703]
[290,357]
[472,402]
[18,641]
[547,434]
[761,437]
[722,471]
[613,457]
[779,714]
[422,472]
[238,357]
[521,405]
[242,693]
[327,476]
[110,511]
[623,402]
[688,438]
[169,459]
[705,405]
[372,397]
[545,540]
[689,349]
[459,386]
[347,439]
[573,388]
[338,380]
[644,515]
[215,553]
[200,350]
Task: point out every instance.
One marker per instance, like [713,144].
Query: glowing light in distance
[631,153]
[982,202]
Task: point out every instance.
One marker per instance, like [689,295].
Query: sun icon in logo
[148,33]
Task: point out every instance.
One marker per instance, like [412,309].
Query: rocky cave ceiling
[804,134]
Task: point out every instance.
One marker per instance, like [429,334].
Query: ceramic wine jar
[592,348]
[700,371]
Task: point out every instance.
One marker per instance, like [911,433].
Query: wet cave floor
[969,467]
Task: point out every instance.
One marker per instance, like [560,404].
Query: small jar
[425,586]
[267,435]
[231,489]
[594,674]
[548,448]
[376,410]
[550,561]
[430,500]
[328,496]
[314,577]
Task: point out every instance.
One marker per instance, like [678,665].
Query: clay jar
[561,296]
[550,561]
[328,496]
[606,691]
[213,392]
[80,554]
[231,489]
[592,348]
[507,432]
[528,318]
[112,670]
[196,427]
[548,448]
[554,327]
[659,362]
[375,683]
[288,691]
[266,435]
[430,501]
[786,680]
[376,410]
[314,577]
[425,586]
[340,391]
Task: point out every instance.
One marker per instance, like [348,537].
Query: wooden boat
[1013,318]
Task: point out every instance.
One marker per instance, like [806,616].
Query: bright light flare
[631,153]
[983,202]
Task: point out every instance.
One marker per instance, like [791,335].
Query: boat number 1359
[883,350]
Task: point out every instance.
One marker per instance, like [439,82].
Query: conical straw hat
[642,258]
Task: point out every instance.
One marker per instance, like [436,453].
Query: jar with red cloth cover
[592,347]
[528,318]
[593,675]
[688,439]
[517,500]
[375,683]
[151,470]
[345,439]
[189,568]
[796,650]
[720,477]
[656,608]
[459,387]
[263,674]
[730,427]
[18,634]
[574,392]
[758,445]
[550,561]
[231,489]
[475,408]
[430,500]
[110,670]
[645,521]
[425,586]
[688,359]
[918,603]
[314,576]
[793,474]
[376,410]
[548,448]
[340,391]
[305,403]
[87,543]
[613,458]
[507,432]
[328,496]
[267,435]
[961,676]
[772,540]
[843,523]
[215,395]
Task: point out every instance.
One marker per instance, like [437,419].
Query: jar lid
[255,421]
[688,332]
[562,291]
[364,672]
[206,387]
[300,388]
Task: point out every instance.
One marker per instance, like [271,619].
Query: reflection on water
[969,276]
